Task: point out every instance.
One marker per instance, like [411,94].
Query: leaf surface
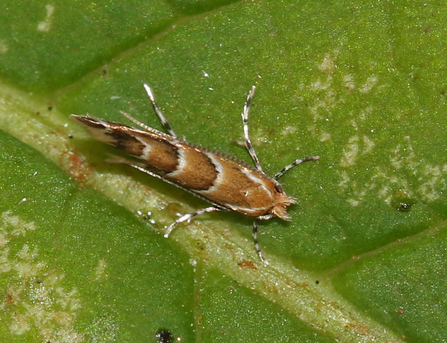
[361,84]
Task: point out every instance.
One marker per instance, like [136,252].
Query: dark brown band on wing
[196,170]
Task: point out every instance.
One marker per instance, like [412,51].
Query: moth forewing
[224,181]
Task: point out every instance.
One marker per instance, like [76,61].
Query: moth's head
[282,201]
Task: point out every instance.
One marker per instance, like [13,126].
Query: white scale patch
[257,181]
[182,163]
[33,296]
[146,151]
[3,47]
[385,180]
[45,25]
[220,178]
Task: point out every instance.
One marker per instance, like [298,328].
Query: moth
[226,182]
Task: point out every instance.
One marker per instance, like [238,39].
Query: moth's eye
[278,188]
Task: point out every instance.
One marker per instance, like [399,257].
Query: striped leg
[141,167]
[248,144]
[139,123]
[158,111]
[189,216]
[293,164]
[257,247]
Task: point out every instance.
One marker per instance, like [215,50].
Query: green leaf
[361,84]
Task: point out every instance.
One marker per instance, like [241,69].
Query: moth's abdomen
[159,152]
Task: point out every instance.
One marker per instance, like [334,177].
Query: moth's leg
[248,144]
[189,216]
[159,112]
[255,240]
[141,166]
[139,123]
[293,164]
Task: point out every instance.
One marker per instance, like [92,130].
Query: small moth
[224,181]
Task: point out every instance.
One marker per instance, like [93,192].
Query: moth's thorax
[242,188]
